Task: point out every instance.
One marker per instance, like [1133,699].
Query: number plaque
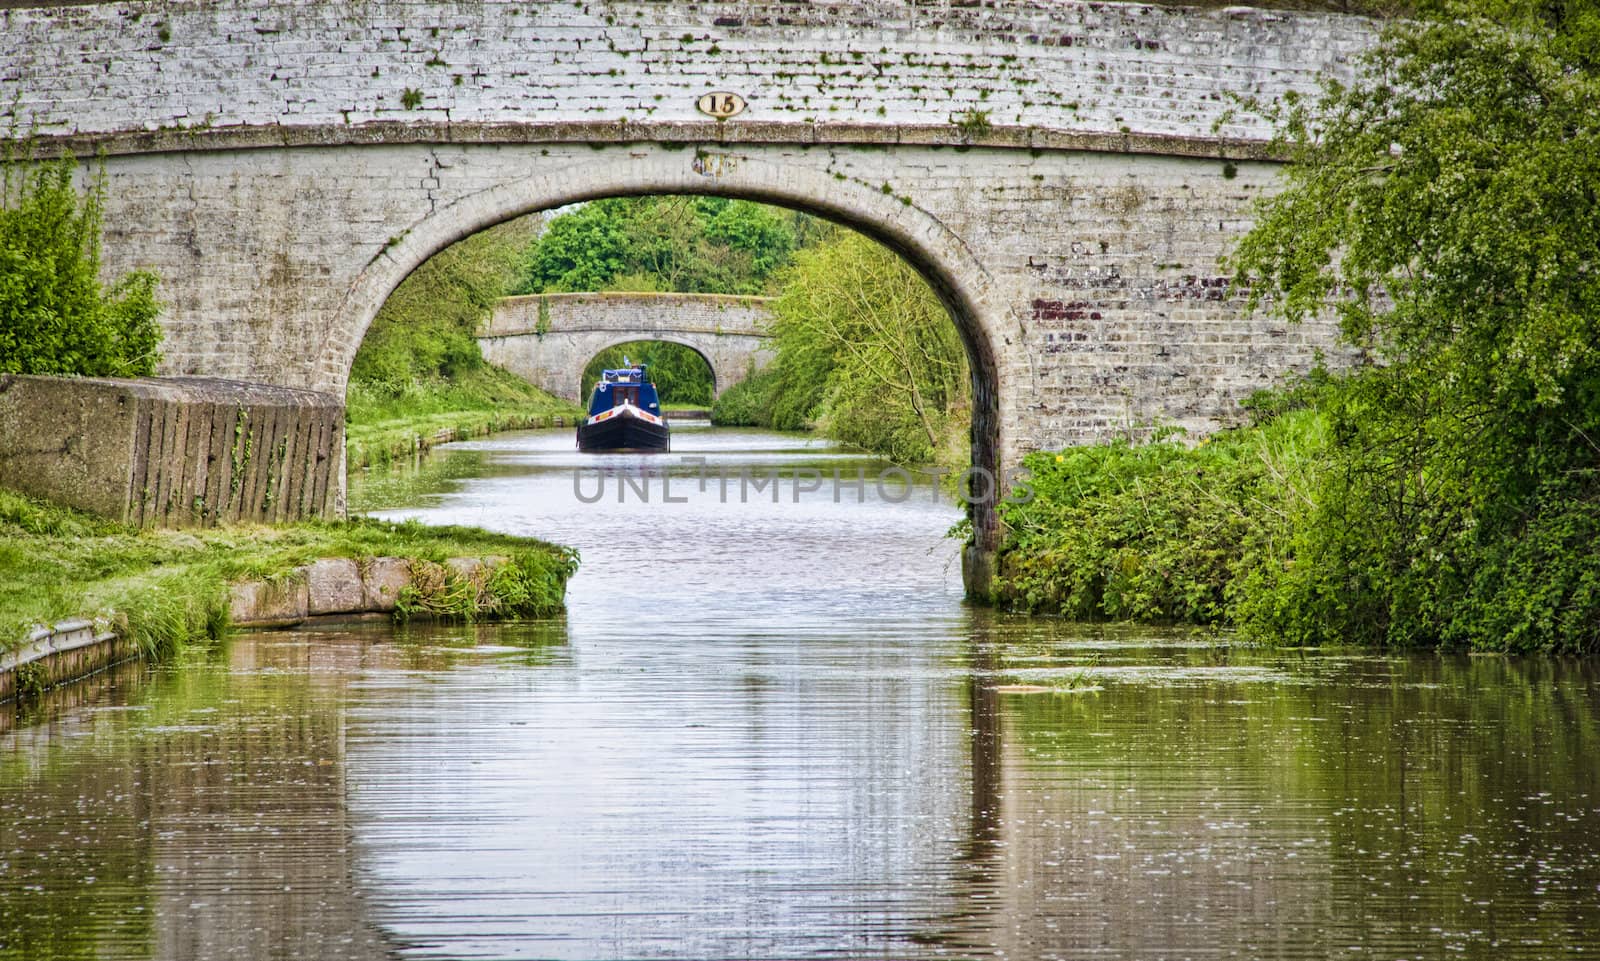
[720,104]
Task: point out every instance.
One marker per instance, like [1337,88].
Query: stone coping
[729,133]
[45,641]
[194,390]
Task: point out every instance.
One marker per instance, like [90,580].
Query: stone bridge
[548,339]
[1065,174]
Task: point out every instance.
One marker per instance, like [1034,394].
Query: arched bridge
[1065,174]
[547,339]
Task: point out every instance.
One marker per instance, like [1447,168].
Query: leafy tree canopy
[672,243]
[427,329]
[866,352]
[1445,206]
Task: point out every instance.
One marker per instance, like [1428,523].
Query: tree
[675,243]
[680,374]
[55,316]
[1447,208]
[579,250]
[868,353]
[427,330]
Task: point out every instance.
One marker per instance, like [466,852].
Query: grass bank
[162,588]
[382,425]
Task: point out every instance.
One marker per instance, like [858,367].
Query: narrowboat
[624,414]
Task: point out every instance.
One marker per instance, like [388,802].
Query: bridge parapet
[152,72]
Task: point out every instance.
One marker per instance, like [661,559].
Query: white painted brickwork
[1093,67]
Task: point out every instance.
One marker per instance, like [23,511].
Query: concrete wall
[548,339]
[172,453]
[51,656]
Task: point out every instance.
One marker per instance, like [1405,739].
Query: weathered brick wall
[1089,281]
[548,339]
[172,452]
[1048,64]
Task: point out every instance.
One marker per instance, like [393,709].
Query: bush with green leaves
[1444,208]
[1162,531]
[55,315]
[426,332]
[866,353]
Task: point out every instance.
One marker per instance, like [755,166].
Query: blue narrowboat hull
[623,434]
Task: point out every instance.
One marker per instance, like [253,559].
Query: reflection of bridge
[549,338]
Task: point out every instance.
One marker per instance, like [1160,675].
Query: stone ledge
[341,585]
[69,651]
[728,134]
[74,649]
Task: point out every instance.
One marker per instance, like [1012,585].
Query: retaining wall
[173,452]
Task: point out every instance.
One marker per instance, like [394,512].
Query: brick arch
[963,284]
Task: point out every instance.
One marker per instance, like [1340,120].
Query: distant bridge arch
[547,339]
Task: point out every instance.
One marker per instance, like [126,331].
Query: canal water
[772,730]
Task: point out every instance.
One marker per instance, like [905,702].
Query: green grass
[163,588]
[381,425]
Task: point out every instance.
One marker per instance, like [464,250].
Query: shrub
[55,316]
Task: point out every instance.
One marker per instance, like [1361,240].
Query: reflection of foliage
[866,352]
[679,373]
[408,483]
[55,316]
[672,243]
[1461,763]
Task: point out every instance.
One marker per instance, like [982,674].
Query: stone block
[334,586]
[382,579]
[270,604]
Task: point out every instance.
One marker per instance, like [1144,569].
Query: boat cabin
[628,385]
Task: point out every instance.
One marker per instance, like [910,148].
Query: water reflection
[785,737]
